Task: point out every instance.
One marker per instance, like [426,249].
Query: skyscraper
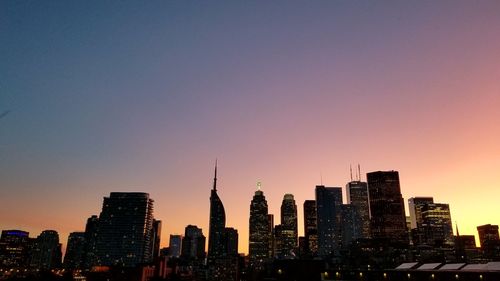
[46,251]
[155,238]
[90,252]
[289,234]
[258,247]
[193,243]
[310,228]
[431,222]
[230,240]
[351,224]
[174,245]
[388,220]
[415,205]
[328,206]
[75,250]
[486,233]
[357,196]
[217,224]
[125,229]
[14,248]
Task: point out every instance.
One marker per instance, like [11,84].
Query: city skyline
[100,97]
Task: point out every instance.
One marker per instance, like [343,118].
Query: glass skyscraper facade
[328,206]
[125,229]
[388,219]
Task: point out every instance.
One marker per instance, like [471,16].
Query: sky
[103,96]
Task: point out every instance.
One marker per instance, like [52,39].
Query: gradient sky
[143,96]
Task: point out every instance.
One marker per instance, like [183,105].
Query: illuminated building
[125,229]
[75,250]
[357,197]
[46,253]
[310,228]
[258,247]
[90,252]
[289,234]
[14,248]
[328,206]
[388,219]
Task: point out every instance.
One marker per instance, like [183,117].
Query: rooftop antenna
[259,184]
[215,176]
[456,226]
[350,168]
[359,172]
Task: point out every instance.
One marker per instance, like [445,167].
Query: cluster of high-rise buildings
[370,229]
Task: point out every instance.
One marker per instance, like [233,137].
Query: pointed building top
[215,176]
[259,185]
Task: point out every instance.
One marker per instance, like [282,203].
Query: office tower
[258,247]
[430,222]
[279,249]
[155,238]
[415,205]
[357,196]
[328,208]
[46,253]
[289,234]
[270,229]
[175,245]
[351,224]
[388,220]
[217,224]
[125,226]
[14,248]
[490,241]
[75,249]
[193,243]
[436,225]
[90,252]
[487,232]
[310,228]
[230,241]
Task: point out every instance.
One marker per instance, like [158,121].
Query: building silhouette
[230,242]
[490,241]
[289,233]
[357,197]
[90,252]
[328,206]
[259,234]
[155,238]
[432,221]
[310,228]
[351,224]
[193,243]
[75,251]
[125,230]
[175,245]
[14,248]
[46,252]
[217,224]
[487,232]
[271,230]
[388,219]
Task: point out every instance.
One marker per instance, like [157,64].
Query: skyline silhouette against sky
[131,96]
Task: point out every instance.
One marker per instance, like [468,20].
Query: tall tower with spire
[217,224]
[259,229]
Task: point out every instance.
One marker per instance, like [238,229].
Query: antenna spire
[215,176]
[456,226]
[350,169]
[359,172]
